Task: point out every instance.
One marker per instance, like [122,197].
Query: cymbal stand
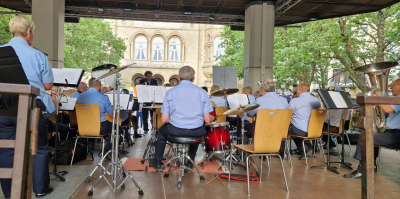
[115,167]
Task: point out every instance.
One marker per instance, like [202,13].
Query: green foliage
[5,34]
[234,50]
[91,43]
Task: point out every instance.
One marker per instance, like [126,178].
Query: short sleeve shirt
[93,96]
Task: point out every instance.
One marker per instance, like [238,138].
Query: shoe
[302,156]
[137,136]
[156,166]
[355,174]
[145,132]
[49,190]
[90,156]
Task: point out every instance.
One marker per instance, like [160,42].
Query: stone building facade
[165,47]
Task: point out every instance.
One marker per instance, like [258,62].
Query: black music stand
[330,103]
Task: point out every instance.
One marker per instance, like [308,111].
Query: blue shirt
[270,101]
[392,121]
[252,99]
[36,67]
[75,95]
[219,101]
[186,104]
[93,96]
[302,107]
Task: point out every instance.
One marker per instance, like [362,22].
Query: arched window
[218,49]
[157,49]
[174,49]
[140,48]
[137,80]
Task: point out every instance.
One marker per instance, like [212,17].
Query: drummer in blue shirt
[39,74]
[185,109]
[302,107]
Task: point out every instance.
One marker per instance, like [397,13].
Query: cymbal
[241,109]
[114,71]
[224,92]
[212,104]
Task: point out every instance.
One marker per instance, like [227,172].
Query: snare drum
[217,134]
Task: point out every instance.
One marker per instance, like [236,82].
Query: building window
[140,48]
[159,81]
[218,49]
[173,82]
[174,49]
[157,49]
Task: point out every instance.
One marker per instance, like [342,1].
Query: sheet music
[159,92]
[237,99]
[338,99]
[70,105]
[123,100]
[143,93]
[71,74]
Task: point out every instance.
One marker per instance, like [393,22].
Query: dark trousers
[41,177]
[390,137]
[105,128]
[170,130]
[249,128]
[145,113]
[332,130]
[298,141]
[62,128]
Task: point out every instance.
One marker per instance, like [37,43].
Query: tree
[5,34]
[234,49]
[91,43]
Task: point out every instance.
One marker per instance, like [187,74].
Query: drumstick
[221,180]
[212,180]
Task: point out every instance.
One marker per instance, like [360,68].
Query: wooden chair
[314,130]
[220,110]
[88,117]
[267,138]
[335,135]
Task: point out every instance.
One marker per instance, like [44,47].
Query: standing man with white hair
[39,73]
[185,109]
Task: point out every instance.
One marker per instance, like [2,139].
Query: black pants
[249,128]
[170,130]
[41,177]
[105,128]
[146,114]
[298,141]
[390,137]
[332,129]
[62,128]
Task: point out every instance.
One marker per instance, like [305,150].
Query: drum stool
[181,155]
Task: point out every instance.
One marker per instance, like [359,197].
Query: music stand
[332,100]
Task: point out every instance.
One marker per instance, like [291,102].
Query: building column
[48,16]
[258,43]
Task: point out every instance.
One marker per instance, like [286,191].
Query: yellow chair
[72,118]
[220,110]
[314,130]
[88,117]
[335,135]
[267,138]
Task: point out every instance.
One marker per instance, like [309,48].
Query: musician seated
[391,135]
[332,119]
[104,89]
[302,107]
[219,101]
[81,89]
[93,96]
[269,100]
[185,109]
[248,92]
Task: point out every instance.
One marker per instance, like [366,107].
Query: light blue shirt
[252,99]
[393,120]
[219,101]
[186,104]
[75,95]
[36,67]
[302,107]
[93,96]
[270,101]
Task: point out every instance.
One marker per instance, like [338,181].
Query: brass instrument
[377,77]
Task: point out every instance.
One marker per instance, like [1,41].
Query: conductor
[185,109]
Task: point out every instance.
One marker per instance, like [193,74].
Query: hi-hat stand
[116,169]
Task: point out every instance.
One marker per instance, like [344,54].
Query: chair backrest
[110,119]
[88,116]
[220,110]
[269,129]
[159,122]
[72,118]
[342,119]
[286,122]
[316,123]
